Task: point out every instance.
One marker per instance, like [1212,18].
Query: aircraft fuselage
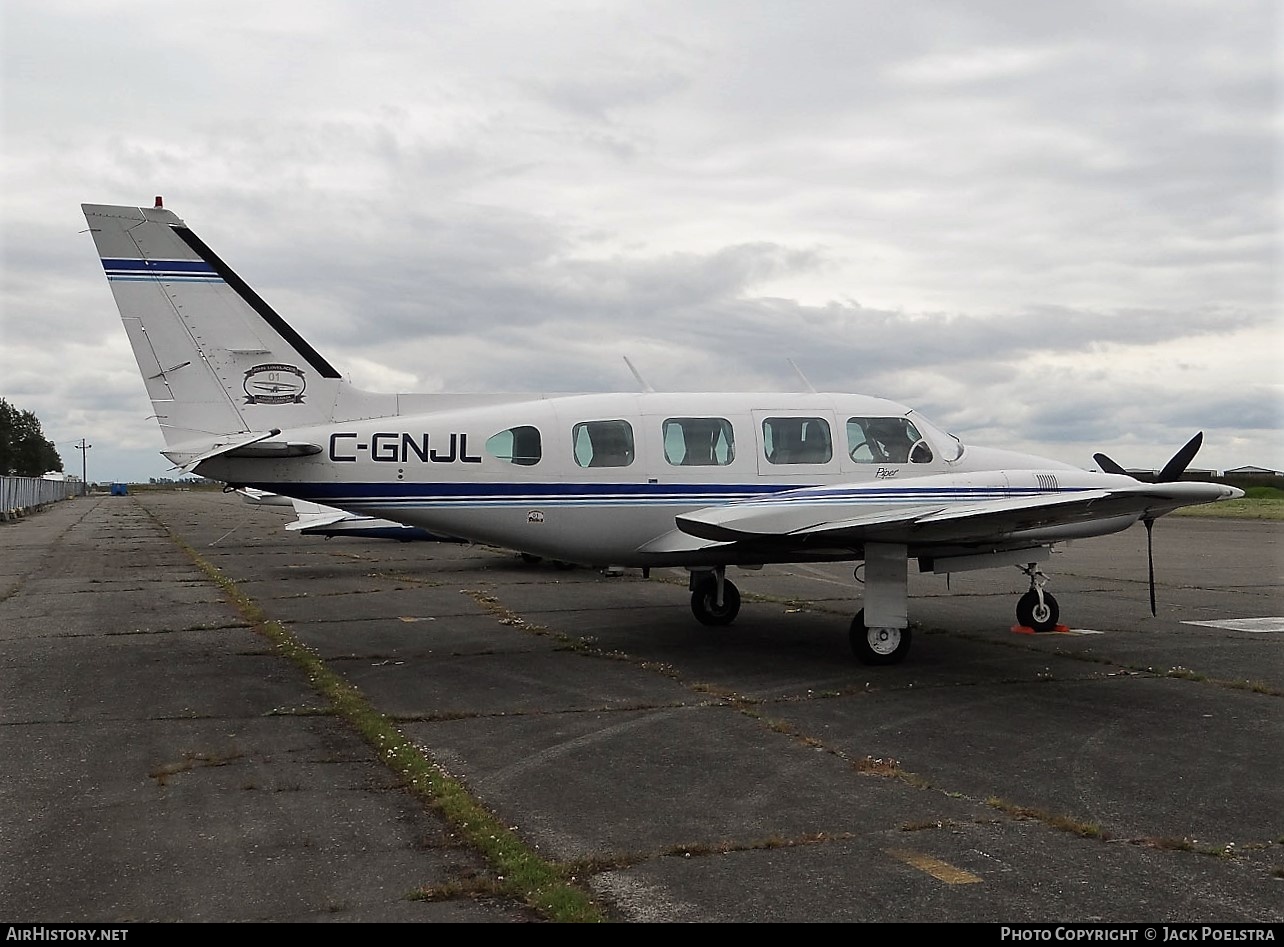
[605,475]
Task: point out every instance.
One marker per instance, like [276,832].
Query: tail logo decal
[274,383]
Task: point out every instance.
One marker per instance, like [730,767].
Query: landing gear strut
[1037,609]
[714,600]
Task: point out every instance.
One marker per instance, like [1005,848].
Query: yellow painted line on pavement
[941,871]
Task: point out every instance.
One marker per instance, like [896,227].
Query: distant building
[1251,471]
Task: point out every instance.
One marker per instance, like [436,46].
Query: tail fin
[220,365]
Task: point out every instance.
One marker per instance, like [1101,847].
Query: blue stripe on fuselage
[613,494]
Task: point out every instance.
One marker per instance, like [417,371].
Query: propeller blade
[1181,460]
[1150,561]
[1107,465]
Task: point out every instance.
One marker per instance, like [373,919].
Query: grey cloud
[498,202]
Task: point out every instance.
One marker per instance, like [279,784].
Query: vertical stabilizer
[219,363]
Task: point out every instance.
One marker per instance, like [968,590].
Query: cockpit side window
[797,440]
[603,443]
[699,442]
[886,441]
[517,445]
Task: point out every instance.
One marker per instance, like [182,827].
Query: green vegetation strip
[519,872]
[1258,503]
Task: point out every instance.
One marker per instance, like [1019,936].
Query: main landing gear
[880,633]
[884,640]
[714,599]
[878,645]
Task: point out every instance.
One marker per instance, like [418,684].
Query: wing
[853,516]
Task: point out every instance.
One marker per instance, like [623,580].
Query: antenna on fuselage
[636,374]
[801,376]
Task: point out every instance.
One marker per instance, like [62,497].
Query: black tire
[1031,615]
[705,596]
[878,645]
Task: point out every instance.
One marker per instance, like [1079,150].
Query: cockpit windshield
[949,447]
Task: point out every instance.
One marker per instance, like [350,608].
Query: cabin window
[517,445]
[699,442]
[603,443]
[886,441]
[797,441]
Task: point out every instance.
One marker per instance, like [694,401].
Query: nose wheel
[1037,609]
[1036,614]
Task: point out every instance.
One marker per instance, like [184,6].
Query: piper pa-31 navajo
[696,480]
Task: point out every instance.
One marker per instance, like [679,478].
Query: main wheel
[1033,615]
[878,645]
[704,602]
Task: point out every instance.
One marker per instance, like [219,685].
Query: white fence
[22,495]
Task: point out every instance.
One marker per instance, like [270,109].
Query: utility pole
[84,454]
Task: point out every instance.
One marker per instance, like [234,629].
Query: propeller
[1171,472]
[1181,460]
[1107,465]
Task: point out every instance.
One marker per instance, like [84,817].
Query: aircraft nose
[1231,493]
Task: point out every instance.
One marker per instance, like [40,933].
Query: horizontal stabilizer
[251,445]
[275,449]
[187,461]
[308,521]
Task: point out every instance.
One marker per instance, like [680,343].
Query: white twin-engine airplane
[694,480]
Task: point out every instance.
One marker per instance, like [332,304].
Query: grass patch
[191,761]
[889,769]
[1173,844]
[518,872]
[1245,508]
[1051,819]
[1264,493]
[929,824]
[1190,845]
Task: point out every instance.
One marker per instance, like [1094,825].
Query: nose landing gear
[1037,609]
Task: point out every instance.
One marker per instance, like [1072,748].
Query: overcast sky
[1048,226]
